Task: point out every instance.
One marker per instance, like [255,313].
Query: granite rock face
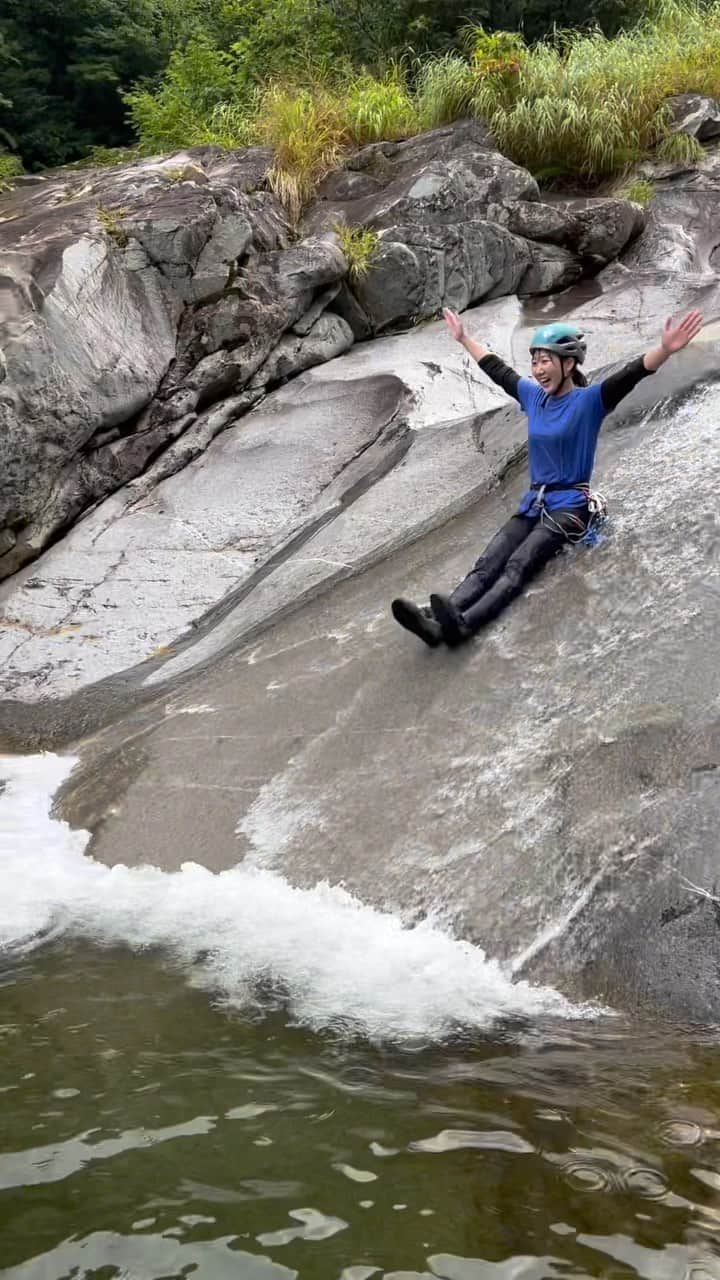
[568,820]
[135,302]
[696,115]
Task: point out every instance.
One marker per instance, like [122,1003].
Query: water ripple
[487,1140]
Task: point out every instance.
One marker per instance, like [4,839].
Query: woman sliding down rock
[564,418]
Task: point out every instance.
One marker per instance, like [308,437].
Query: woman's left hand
[677,336]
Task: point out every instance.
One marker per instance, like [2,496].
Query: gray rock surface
[696,115]
[551,789]
[96,269]
[66,627]
[417,270]
[151,559]
[449,175]
[328,337]
[599,229]
[596,229]
[137,301]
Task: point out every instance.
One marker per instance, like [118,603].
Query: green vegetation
[640,191]
[111,222]
[378,109]
[304,129]
[358,244]
[64,73]
[444,90]
[587,107]
[680,148]
[10,167]
[314,78]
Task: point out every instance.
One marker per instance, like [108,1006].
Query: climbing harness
[599,516]
[589,534]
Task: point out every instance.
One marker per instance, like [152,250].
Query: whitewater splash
[333,961]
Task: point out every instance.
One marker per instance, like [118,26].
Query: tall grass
[375,110]
[444,90]
[305,129]
[586,106]
[579,107]
[311,128]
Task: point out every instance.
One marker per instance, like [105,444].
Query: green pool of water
[147,1133]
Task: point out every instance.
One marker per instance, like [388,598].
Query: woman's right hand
[454,324]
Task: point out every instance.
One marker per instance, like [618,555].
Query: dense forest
[65,65]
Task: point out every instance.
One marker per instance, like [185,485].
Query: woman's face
[549,370]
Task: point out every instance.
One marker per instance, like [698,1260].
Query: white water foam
[335,962]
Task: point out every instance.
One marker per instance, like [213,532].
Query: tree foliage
[62,72]
[65,74]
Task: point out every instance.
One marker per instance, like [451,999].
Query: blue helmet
[562,339]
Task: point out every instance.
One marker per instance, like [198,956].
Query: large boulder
[695,115]
[96,269]
[446,176]
[597,229]
[458,222]
[417,270]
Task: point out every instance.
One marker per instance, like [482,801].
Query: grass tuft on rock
[111,222]
[680,148]
[358,244]
[640,191]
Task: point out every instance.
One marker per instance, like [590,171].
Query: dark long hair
[577,375]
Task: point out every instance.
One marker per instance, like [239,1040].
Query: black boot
[419,621]
[452,623]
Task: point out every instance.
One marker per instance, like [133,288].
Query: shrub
[199,78]
[10,167]
[358,244]
[497,53]
[280,40]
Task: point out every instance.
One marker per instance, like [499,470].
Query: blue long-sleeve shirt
[563,430]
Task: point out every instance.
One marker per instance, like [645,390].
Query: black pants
[516,553]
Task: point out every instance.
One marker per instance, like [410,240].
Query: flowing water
[226,1074]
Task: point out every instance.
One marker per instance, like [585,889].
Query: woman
[564,418]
